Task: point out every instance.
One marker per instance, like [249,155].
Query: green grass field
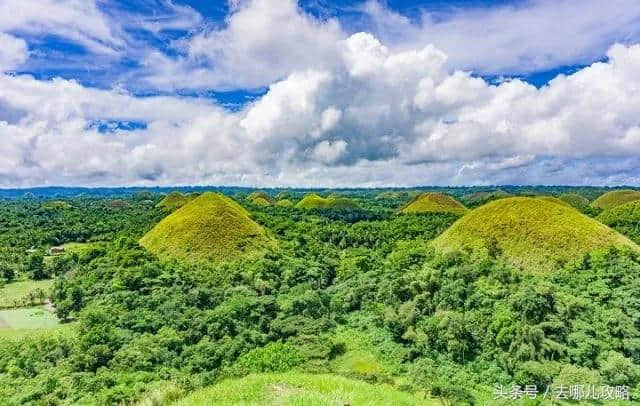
[27,318]
[65,329]
[296,389]
[19,290]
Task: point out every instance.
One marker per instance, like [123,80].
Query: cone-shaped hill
[575,200]
[211,228]
[434,203]
[531,233]
[624,218]
[260,198]
[616,198]
[313,201]
[284,203]
[173,200]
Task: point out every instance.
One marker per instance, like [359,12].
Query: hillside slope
[212,227]
[575,200]
[434,203]
[531,233]
[624,218]
[616,198]
[289,389]
[173,200]
[313,201]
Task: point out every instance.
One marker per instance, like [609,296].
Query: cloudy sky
[319,92]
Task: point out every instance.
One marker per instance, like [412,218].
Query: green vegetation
[260,198]
[284,203]
[24,293]
[479,198]
[173,201]
[355,306]
[27,318]
[300,389]
[211,227]
[395,195]
[575,200]
[57,205]
[616,198]
[313,201]
[624,218]
[531,233]
[434,203]
[261,201]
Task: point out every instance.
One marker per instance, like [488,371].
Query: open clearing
[301,389]
[19,290]
[28,318]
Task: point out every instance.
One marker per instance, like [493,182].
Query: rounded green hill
[288,389]
[575,200]
[616,198]
[530,233]
[313,201]
[434,203]
[173,200]
[211,227]
[624,218]
[261,201]
[284,203]
[260,198]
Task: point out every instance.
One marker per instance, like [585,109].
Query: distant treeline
[590,192]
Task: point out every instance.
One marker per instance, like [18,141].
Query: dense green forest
[355,295]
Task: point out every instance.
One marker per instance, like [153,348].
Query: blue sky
[319,92]
[56,56]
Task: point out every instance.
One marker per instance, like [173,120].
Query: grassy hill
[261,201]
[211,227]
[173,201]
[434,203]
[313,201]
[284,203]
[260,198]
[529,232]
[615,198]
[554,200]
[624,218]
[575,200]
[289,389]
